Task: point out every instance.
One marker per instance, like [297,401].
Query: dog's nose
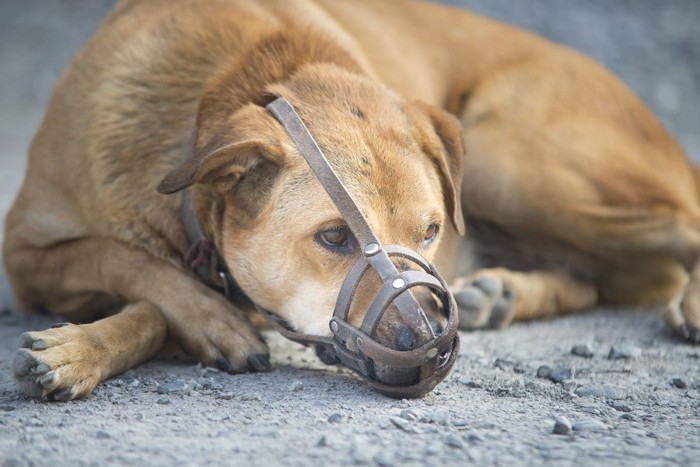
[405,339]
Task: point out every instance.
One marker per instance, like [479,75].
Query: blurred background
[653,45]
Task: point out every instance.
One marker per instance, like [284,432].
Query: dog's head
[281,236]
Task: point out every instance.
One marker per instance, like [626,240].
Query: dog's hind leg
[67,361]
[492,298]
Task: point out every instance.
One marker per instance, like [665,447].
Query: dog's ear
[445,146]
[237,149]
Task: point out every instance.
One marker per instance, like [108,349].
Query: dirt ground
[630,396]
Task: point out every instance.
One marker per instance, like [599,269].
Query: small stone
[7,408]
[624,351]
[559,374]
[296,386]
[163,400]
[414,415]
[175,387]
[562,425]
[454,441]
[600,390]
[401,423]
[679,383]
[336,417]
[556,375]
[322,442]
[620,407]
[544,371]
[473,436]
[582,350]
[441,417]
[227,396]
[251,397]
[460,422]
[590,426]
[102,435]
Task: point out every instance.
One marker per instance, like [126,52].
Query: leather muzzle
[358,348]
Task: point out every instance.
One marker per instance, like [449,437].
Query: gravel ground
[610,386]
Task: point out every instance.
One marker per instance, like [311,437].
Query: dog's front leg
[67,361]
[159,296]
[495,297]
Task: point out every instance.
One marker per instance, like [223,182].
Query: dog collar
[354,347]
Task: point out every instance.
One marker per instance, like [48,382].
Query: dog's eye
[430,234]
[337,239]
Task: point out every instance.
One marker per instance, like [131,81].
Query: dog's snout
[405,339]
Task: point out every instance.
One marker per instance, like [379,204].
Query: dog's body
[574,194]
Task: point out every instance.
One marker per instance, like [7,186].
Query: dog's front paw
[486,301]
[59,364]
[220,338]
[683,313]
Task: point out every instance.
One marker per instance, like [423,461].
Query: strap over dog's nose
[355,347]
[408,306]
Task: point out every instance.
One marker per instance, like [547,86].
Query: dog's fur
[573,193]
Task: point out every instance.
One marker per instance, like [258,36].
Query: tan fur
[573,180]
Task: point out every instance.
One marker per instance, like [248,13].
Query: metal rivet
[398,283]
[334,326]
[371,249]
[432,352]
[359,343]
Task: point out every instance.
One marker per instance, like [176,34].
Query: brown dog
[574,194]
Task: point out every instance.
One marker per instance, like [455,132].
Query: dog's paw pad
[485,302]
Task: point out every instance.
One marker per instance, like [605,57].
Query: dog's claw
[61,395]
[42,368]
[58,325]
[47,379]
[223,363]
[39,345]
[259,362]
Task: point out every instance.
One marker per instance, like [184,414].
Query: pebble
[296,386]
[679,383]
[590,426]
[251,397]
[227,396]
[624,351]
[336,417]
[454,441]
[441,417]
[7,408]
[544,371]
[556,375]
[620,407]
[599,390]
[178,386]
[102,435]
[582,350]
[164,400]
[559,374]
[414,415]
[401,423]
[562,425]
